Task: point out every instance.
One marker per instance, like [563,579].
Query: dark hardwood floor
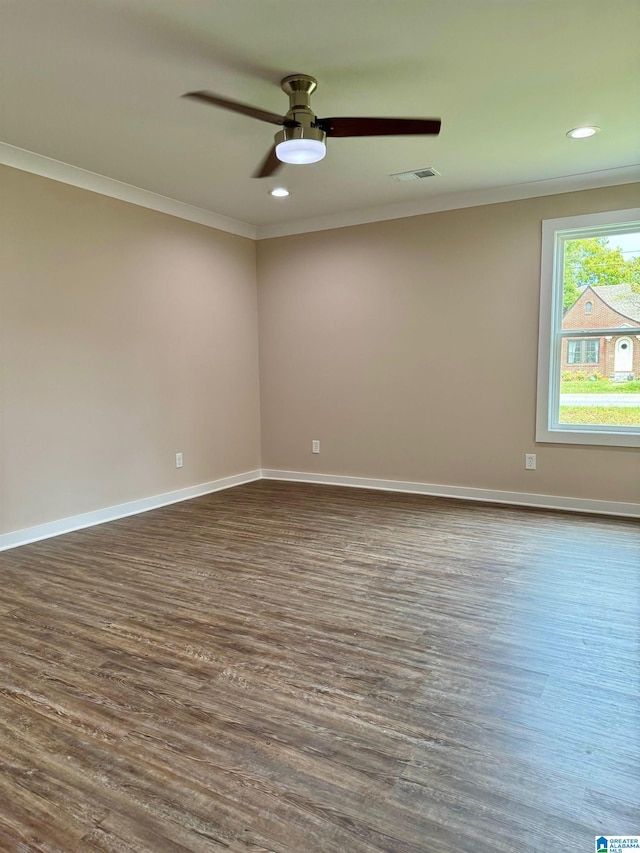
[298,669]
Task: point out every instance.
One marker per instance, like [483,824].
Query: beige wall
[125,336]
[409,347]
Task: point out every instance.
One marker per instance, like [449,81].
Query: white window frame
[555,232]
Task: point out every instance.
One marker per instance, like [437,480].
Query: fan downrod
[299,88]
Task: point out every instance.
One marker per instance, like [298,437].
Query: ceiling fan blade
[379,126]
[235,106]
[269,165]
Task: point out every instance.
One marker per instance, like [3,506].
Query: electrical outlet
[315,446]
[530,461]
[178,460]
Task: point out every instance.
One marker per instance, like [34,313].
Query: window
[589,348]
[585,351]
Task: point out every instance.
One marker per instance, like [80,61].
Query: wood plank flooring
[308,669]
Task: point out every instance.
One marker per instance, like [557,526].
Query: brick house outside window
[616,357]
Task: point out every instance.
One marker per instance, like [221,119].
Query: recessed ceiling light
[582,132]
[279,192]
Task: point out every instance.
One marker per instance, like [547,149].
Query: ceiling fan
[303,134]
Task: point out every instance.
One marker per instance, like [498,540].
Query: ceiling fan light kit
[300,144]
[302,139]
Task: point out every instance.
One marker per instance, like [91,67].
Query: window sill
[588,435]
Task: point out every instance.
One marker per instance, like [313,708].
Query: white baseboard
[631,510]
[100,516]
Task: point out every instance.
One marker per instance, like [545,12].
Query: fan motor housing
[300,132]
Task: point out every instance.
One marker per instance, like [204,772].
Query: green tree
[634,271]
[590,260]
[570,293]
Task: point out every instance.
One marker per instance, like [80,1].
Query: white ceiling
[97,84]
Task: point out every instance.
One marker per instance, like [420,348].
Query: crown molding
[454,201]
[56,170]
[47,167]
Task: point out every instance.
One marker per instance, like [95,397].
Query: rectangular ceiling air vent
[416,175]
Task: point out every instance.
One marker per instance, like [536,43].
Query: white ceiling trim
[38,164]
[453,201]
[47,167]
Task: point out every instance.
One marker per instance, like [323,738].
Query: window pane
[589,355]
[591,351]
[573,352]
[600,392]
[601,282]
[601,290]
